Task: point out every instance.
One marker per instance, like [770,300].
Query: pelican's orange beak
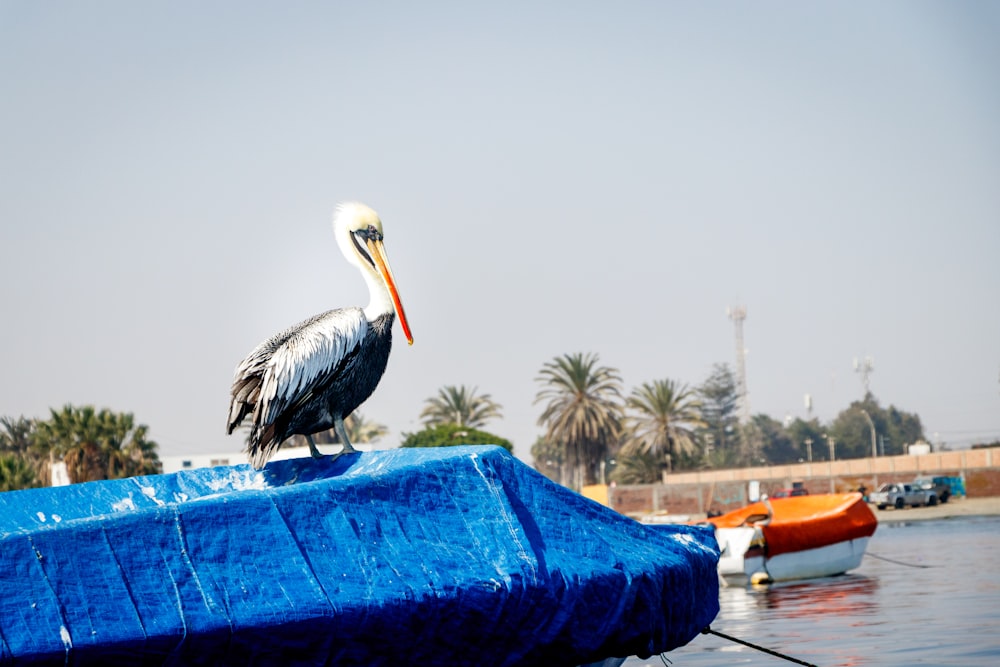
[377,251]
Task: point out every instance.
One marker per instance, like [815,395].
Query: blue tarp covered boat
[459,555]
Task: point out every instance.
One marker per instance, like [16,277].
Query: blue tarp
[458,555]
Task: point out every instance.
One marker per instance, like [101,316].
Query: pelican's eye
[360,238]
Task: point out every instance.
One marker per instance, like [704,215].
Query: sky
[553,178]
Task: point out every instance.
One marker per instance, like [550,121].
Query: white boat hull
[734,542]
[823,561]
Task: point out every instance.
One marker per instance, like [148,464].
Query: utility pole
[833,457]
[871,424]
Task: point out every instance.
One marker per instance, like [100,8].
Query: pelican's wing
[308,357]
[284,370]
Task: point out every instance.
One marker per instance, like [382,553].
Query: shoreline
[955,507]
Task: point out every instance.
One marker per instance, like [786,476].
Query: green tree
[582,412]
[893,427]
[719,402]
[777,444]
[449,435]
[663,417]
[97,445]
[806,437]
[721,459]
[852,433]
[460,405]
[902,428]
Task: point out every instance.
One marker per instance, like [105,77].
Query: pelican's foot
[345,450]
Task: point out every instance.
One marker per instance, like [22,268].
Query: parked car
[901,495]
[788,493]
[939,485]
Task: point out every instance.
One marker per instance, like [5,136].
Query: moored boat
[798,537]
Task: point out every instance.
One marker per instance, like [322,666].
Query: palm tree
[637,468]
[459,405]
[15,434]
[358,428]
[20,465]
[664,417]
[97,445]
[16,473]
[582,411]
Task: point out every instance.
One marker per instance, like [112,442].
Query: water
[943,613]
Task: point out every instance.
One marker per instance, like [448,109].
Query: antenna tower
[865,367]
[737,314]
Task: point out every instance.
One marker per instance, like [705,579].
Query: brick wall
[699,492]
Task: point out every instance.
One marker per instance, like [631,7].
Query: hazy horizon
[552,179]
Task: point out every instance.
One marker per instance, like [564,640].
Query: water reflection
[787,616]
[930,597]
[850,594]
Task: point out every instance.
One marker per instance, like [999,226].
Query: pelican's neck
[379,300]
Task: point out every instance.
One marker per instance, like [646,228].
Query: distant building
[211,460]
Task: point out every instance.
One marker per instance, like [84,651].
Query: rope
[897,562]
[709,631]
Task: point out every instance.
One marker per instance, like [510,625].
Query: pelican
[309,377]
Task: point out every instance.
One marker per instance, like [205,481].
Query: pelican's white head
[352,217]
[358,231]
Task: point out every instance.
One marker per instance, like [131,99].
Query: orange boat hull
[798,533]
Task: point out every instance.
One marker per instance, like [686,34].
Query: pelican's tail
[261,445]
